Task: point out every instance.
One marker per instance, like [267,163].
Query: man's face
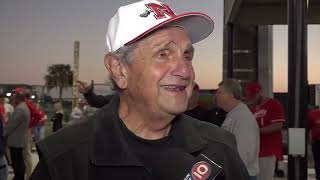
[161,74]
[14,99]
[222,96]
[255,100]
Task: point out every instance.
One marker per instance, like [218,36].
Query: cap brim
[198,26]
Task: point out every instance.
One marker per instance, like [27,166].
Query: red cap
[252,90]
[19,90]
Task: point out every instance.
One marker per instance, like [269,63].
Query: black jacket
[199,113]
[97,101]
[97,150]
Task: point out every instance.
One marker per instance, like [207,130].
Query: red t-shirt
[35,115]
[3,114]
[42,121]
[268,112]
[314,123]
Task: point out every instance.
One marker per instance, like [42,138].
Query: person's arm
[93,100]
[276,118]
[246,133]
[274,127]
[97,101]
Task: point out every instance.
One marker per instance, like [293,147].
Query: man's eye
[188,57]
[162,53]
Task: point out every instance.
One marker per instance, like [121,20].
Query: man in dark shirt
[195,110]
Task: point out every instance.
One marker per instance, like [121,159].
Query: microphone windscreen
[175,164]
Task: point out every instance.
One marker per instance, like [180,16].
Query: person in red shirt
[39,130]
[314,128]
[269,114]
[2,110]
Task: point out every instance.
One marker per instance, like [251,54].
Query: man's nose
[183,68]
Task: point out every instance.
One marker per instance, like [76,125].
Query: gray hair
[232,86]
[124,55]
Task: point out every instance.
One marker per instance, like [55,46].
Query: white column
[265,60]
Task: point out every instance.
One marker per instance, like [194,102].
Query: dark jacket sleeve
[97,101]
[233,166]
[40,172]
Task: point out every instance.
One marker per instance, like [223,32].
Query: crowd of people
[238,115]
[23,125]
[18,122]
[153,126]
[255,120]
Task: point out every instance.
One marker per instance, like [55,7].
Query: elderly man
[241,122]
[16,134]
[142,133]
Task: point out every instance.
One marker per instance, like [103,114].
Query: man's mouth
[174,88]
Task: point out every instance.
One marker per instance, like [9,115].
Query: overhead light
[8,94]
[33,96]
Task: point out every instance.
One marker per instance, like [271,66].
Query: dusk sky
[37,33]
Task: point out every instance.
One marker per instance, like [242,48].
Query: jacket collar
[109,147]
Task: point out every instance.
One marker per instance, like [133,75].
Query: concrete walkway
[311,175]
[35,160]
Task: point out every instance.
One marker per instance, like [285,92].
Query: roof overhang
[265,12]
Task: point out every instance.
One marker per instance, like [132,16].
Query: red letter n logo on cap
[160,10]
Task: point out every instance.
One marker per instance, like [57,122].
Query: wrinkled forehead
[169,34]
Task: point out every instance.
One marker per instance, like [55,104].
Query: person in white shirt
[8,109]
[79,112]
[241,122]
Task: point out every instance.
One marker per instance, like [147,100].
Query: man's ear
[117,70]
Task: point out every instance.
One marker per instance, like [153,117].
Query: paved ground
[35,160]
[311,175]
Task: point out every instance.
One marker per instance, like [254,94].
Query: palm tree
[59,75]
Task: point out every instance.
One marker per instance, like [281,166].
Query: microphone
[175,164]
[204,169]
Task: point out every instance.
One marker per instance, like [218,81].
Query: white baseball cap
[134,21]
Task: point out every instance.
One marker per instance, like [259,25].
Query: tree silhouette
[59,75]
